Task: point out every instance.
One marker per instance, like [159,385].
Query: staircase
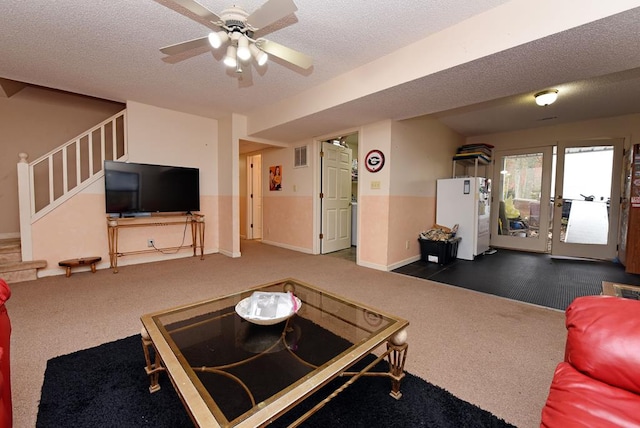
[12,268]
[49,181]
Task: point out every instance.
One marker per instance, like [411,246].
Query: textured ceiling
[110,50]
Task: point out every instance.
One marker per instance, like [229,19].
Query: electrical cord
[184,235]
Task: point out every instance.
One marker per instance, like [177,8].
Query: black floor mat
[527,277]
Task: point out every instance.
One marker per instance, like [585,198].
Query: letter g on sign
[374,161]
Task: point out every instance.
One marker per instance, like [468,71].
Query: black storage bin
[441,252]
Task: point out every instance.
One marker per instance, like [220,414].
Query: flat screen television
[135,188]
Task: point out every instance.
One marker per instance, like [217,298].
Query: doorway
[335,197]
[587,199]
[254,200]
[578,219]
[521,187]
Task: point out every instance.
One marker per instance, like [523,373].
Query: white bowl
[242,309]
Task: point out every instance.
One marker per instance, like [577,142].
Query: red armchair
[598,383]
[6,415]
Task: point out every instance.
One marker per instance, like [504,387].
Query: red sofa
[6,415]
[598,383]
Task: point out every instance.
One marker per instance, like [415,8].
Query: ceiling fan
[236,31]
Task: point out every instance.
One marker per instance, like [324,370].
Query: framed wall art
[275,177]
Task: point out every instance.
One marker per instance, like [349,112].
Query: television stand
[114,224]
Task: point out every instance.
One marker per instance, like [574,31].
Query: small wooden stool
[80,262]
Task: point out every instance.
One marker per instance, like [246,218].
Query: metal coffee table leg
[397,356]
[153,369]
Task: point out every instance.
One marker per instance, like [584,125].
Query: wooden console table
[114,224]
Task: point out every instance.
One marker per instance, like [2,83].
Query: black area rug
[106,386]
[528,277]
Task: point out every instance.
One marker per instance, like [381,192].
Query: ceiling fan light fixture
[218,39]
[546,98]
[233,29]
[243,49]
[230,59]
[260,56]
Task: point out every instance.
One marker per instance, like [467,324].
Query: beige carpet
[495,353]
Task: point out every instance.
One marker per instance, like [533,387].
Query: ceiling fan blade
[270,12]
[285,53]
[198,9]
[185,46]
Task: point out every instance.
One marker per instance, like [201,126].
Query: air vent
[300,156]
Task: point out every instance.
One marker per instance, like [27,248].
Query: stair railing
[54,177]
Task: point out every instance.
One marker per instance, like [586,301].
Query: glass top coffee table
[232,372]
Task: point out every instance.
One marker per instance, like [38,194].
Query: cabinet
[630,224]
[115,224]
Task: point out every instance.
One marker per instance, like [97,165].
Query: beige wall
[34,121]
[288,214]
[155,135]
[422,150]
[417,153]
[373,203]
[627,126]
[232,129]
[169,137]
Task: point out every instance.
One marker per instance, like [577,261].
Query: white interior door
[336,198]
[254,216]
[587,198]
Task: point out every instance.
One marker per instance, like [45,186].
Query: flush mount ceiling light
[237,28]
[545,98]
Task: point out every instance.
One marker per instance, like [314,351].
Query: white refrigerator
[466,202]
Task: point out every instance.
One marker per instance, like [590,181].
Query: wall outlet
[407,245]
[375,185]
[150,242]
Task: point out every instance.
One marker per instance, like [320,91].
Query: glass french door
[580,217]
[521,199]
[586,201]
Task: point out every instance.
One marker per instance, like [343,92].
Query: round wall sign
[374,161]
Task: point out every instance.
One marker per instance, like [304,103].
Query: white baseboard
[122,262]
[9,235]
[288,247]
[404,262]
[372,266]
[230,253]
[391,267]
